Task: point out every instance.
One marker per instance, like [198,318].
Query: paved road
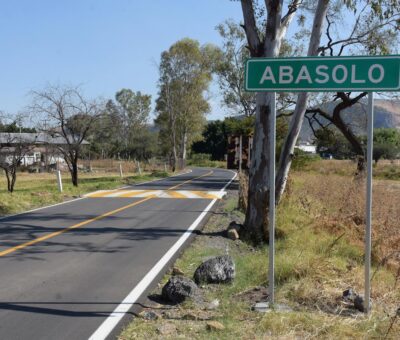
[66,268]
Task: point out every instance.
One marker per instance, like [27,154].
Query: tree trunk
[13,178]
[74,174]
[184,150]
[9,188]
[258,195]
[296,122]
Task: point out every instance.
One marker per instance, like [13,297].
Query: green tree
[331,141]
[386,144]
[134,110]
[214,141]
[106,138]
[185,75]
[230,69]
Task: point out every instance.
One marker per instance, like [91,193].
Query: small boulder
[149,315]
[177,271]
[234,225]
[359,303]
[215,326]
[232,234]
[216,270]
[178,288]
[349,295]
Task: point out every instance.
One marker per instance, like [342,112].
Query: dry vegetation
[319,254]
[34,190]
[337,204]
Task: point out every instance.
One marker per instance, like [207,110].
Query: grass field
[36,190]
[319,254]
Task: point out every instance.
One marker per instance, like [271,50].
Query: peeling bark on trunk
[258,194]
[184,150]
[258,200]
[296,122]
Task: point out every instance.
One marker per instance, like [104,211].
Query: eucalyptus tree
[185,75]
[264,42]
[134,110]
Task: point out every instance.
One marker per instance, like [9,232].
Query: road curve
[67,268]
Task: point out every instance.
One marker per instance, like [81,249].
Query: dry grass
[36,190]
[338,206]
[319,256]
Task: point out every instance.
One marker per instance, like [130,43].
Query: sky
[101,45]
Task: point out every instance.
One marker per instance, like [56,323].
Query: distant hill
[387,115]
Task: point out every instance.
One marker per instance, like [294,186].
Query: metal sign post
[370,136]
[271,224]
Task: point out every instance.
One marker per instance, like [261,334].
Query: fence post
[59,181]
[120,170]
[140,170]
[165,167]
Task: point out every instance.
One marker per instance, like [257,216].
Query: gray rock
[149,315]
[232,234]
[178,288]
[234,225]
[216,270]
[359,303]
[349,295]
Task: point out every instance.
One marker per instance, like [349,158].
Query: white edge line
[89,193]
[119,312]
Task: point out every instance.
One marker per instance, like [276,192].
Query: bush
[302,159]
[204,160]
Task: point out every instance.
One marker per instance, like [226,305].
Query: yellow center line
[56,233]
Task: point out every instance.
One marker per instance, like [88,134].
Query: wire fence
[124,166]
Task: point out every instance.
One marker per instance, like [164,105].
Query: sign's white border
[320,89]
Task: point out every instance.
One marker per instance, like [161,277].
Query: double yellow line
[94,219]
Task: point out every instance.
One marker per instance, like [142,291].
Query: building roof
[33,138]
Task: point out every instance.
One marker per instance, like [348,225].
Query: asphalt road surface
[74,271]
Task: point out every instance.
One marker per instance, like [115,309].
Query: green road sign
[323,74]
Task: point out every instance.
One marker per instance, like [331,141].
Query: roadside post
[120,170]
[368,202]
[271,211]
[59,181]
[322,74]
[240,152]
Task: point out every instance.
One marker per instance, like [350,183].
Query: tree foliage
[185,74]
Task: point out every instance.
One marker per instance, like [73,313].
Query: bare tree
[69,117]
[13,148]
[301,104]
[374,31]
